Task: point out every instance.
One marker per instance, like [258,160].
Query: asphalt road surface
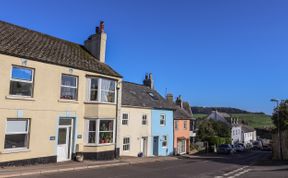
[216,166]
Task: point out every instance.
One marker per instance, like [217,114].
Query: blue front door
[155,145]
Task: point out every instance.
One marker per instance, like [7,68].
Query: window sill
[98,102]
[16,150]
[68,101]
[12,97]
[98,145]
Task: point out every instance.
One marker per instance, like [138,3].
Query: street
[214,165]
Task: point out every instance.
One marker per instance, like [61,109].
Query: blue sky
[213,53]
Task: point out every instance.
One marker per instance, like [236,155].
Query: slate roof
[181,114]
[24,43]
[142,96]
[246,128]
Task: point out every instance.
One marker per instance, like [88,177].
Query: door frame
[144,142]
[71,141]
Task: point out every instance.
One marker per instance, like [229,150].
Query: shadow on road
[262,158]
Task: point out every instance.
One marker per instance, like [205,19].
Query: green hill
[255,120]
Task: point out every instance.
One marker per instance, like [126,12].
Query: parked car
[257,145]
[239,148]
[225,149]
[267,148]
[233,148]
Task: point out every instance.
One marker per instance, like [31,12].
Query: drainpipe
[116,123]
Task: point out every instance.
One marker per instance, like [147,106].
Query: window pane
[107,96]
[20,88]
[62,136]
[94,83]
[68,93]
[108,85]
[65,121]
[106,125]
[16,126]
[68,80]
[92,137]
[22,73]
[105,137]
[16,141]
[92,125]
[94,95]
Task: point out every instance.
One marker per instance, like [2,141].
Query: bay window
[21,83]
[69,87]
[17,134]
[101,90]
[100,131]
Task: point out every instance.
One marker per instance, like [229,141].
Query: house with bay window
[58,99]
[146,126]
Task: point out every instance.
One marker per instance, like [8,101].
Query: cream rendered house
[58,99]
[135,125]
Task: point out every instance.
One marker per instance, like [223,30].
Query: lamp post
[278,130]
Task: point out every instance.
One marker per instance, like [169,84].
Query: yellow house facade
[58,100]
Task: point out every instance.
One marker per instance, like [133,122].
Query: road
[216,166]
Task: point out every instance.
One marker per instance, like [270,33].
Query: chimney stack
[179,101]
[96,43]
[148,81]
[169,98]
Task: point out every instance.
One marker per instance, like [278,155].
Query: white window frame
[126,144]
[27,132]
[185,124]
[127,120]
[146,119]
[162,141]
[67,86]
[97,138]
[164,118]
[24,81]
[176,125]
[99,99]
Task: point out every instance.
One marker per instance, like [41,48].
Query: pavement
[74,166]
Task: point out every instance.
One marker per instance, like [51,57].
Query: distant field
[253,120]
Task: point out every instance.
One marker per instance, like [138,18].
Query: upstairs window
[108,91]
[125,118]
[176,125]
[162,120]
[185,125]
[21,83]
[144,119]
[17,134]
[69,87]
[101,90]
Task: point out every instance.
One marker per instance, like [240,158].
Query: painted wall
[181,132]
[236,134]
[45,108]
[135,130]
[158,130]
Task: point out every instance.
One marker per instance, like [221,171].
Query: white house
[242,133]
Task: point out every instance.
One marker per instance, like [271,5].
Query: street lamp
[278,123]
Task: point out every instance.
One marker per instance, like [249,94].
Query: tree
[283,116]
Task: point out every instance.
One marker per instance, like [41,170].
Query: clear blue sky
[214,53]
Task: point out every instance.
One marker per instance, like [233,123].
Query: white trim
[19,97]
[129,144]
[15,150]
[23,81]
[128,116]
[68,86]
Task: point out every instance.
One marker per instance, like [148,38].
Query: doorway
[64,142]
[144,146]
[155,145]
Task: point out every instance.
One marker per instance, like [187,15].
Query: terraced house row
[60,101]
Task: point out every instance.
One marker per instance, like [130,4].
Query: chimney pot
[101,26]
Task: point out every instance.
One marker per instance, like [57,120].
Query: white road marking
[237,170]
[240,173]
